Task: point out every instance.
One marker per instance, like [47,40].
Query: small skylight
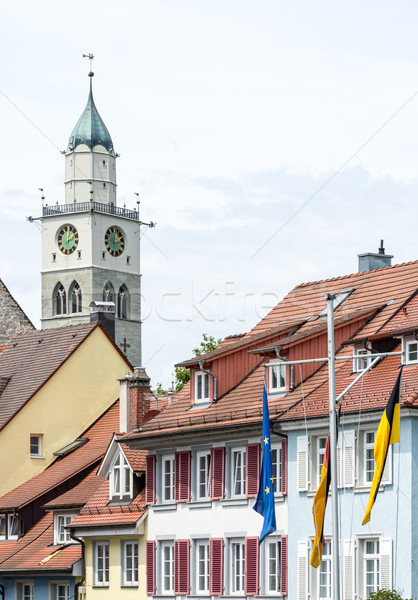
[71,447]
[337,301]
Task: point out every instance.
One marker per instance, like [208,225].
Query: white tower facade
[90,246]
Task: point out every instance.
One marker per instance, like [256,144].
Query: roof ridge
[358,274]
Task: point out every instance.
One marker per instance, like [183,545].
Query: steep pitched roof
[31,359]
[30,553]
[99,436]
[300,309]
[377,297]
[98,512]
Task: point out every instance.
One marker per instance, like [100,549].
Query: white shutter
[349,458]
[348,581]
[302,570]
[386,563]
[302,450]
[387,471]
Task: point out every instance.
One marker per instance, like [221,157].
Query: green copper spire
[90,128]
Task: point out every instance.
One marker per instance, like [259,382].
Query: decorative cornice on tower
[90,128]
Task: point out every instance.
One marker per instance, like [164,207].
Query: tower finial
[90,56]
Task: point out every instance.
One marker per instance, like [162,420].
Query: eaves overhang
[165,439]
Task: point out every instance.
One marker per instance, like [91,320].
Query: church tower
[90,246]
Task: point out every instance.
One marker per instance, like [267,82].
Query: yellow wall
[75,396]
[115,590]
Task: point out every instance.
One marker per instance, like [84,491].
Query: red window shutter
[283,564]
[217,473]
[216,566]
[150,557]
[251,566]
[284,467]
[181,567]
[182,476]
[150,479]
[252,470]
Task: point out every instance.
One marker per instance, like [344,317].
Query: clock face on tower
[114,241]
[67,239]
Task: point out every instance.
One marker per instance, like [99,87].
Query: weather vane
[90,57]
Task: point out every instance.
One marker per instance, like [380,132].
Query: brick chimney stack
[139,397]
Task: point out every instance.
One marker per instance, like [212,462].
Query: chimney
[370,260]
[124,404]
[104,313]
[140,397]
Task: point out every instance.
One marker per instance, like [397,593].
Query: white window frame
[276,460]
[325,570]
[54,590]
[372,557]
[201,388]
[368,456]
[236,566]
[201,565]
[130,572]
[35,438]
[62,535]
[3,527]
[321,442]
[11,521]
[408,342]
[277,377]
[237,464]
[202,475]
[167,459]
[121,478]
[272,563]
[21,593]
[166,549]
[99,551]
[361,361]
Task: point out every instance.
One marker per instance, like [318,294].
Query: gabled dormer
[124,483]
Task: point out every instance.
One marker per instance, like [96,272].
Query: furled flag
[387,433]
[318,507]
[265,498]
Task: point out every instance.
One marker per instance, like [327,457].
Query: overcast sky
[271,141]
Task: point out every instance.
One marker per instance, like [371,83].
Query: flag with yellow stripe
[387,433]
[318,507]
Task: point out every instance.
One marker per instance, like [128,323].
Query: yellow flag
[387,433]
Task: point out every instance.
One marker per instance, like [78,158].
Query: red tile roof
[99,512]
[31,359]
[376,300]
[79,494]
[30,551]
[99,435]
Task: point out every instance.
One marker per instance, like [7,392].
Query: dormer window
[411,351]
[277,378]
[61,533]
[362,360]
[201,388]
[121,484]
[9,527]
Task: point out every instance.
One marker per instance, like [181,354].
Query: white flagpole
[333,447]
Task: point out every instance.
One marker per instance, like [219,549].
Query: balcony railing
[108,209]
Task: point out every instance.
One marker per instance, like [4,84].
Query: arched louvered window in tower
[60,300]
[123,302]
[75,298]
[108,293]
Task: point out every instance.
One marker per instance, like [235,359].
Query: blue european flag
[265,498]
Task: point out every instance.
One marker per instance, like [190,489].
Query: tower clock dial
[67,239]
[114,241]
